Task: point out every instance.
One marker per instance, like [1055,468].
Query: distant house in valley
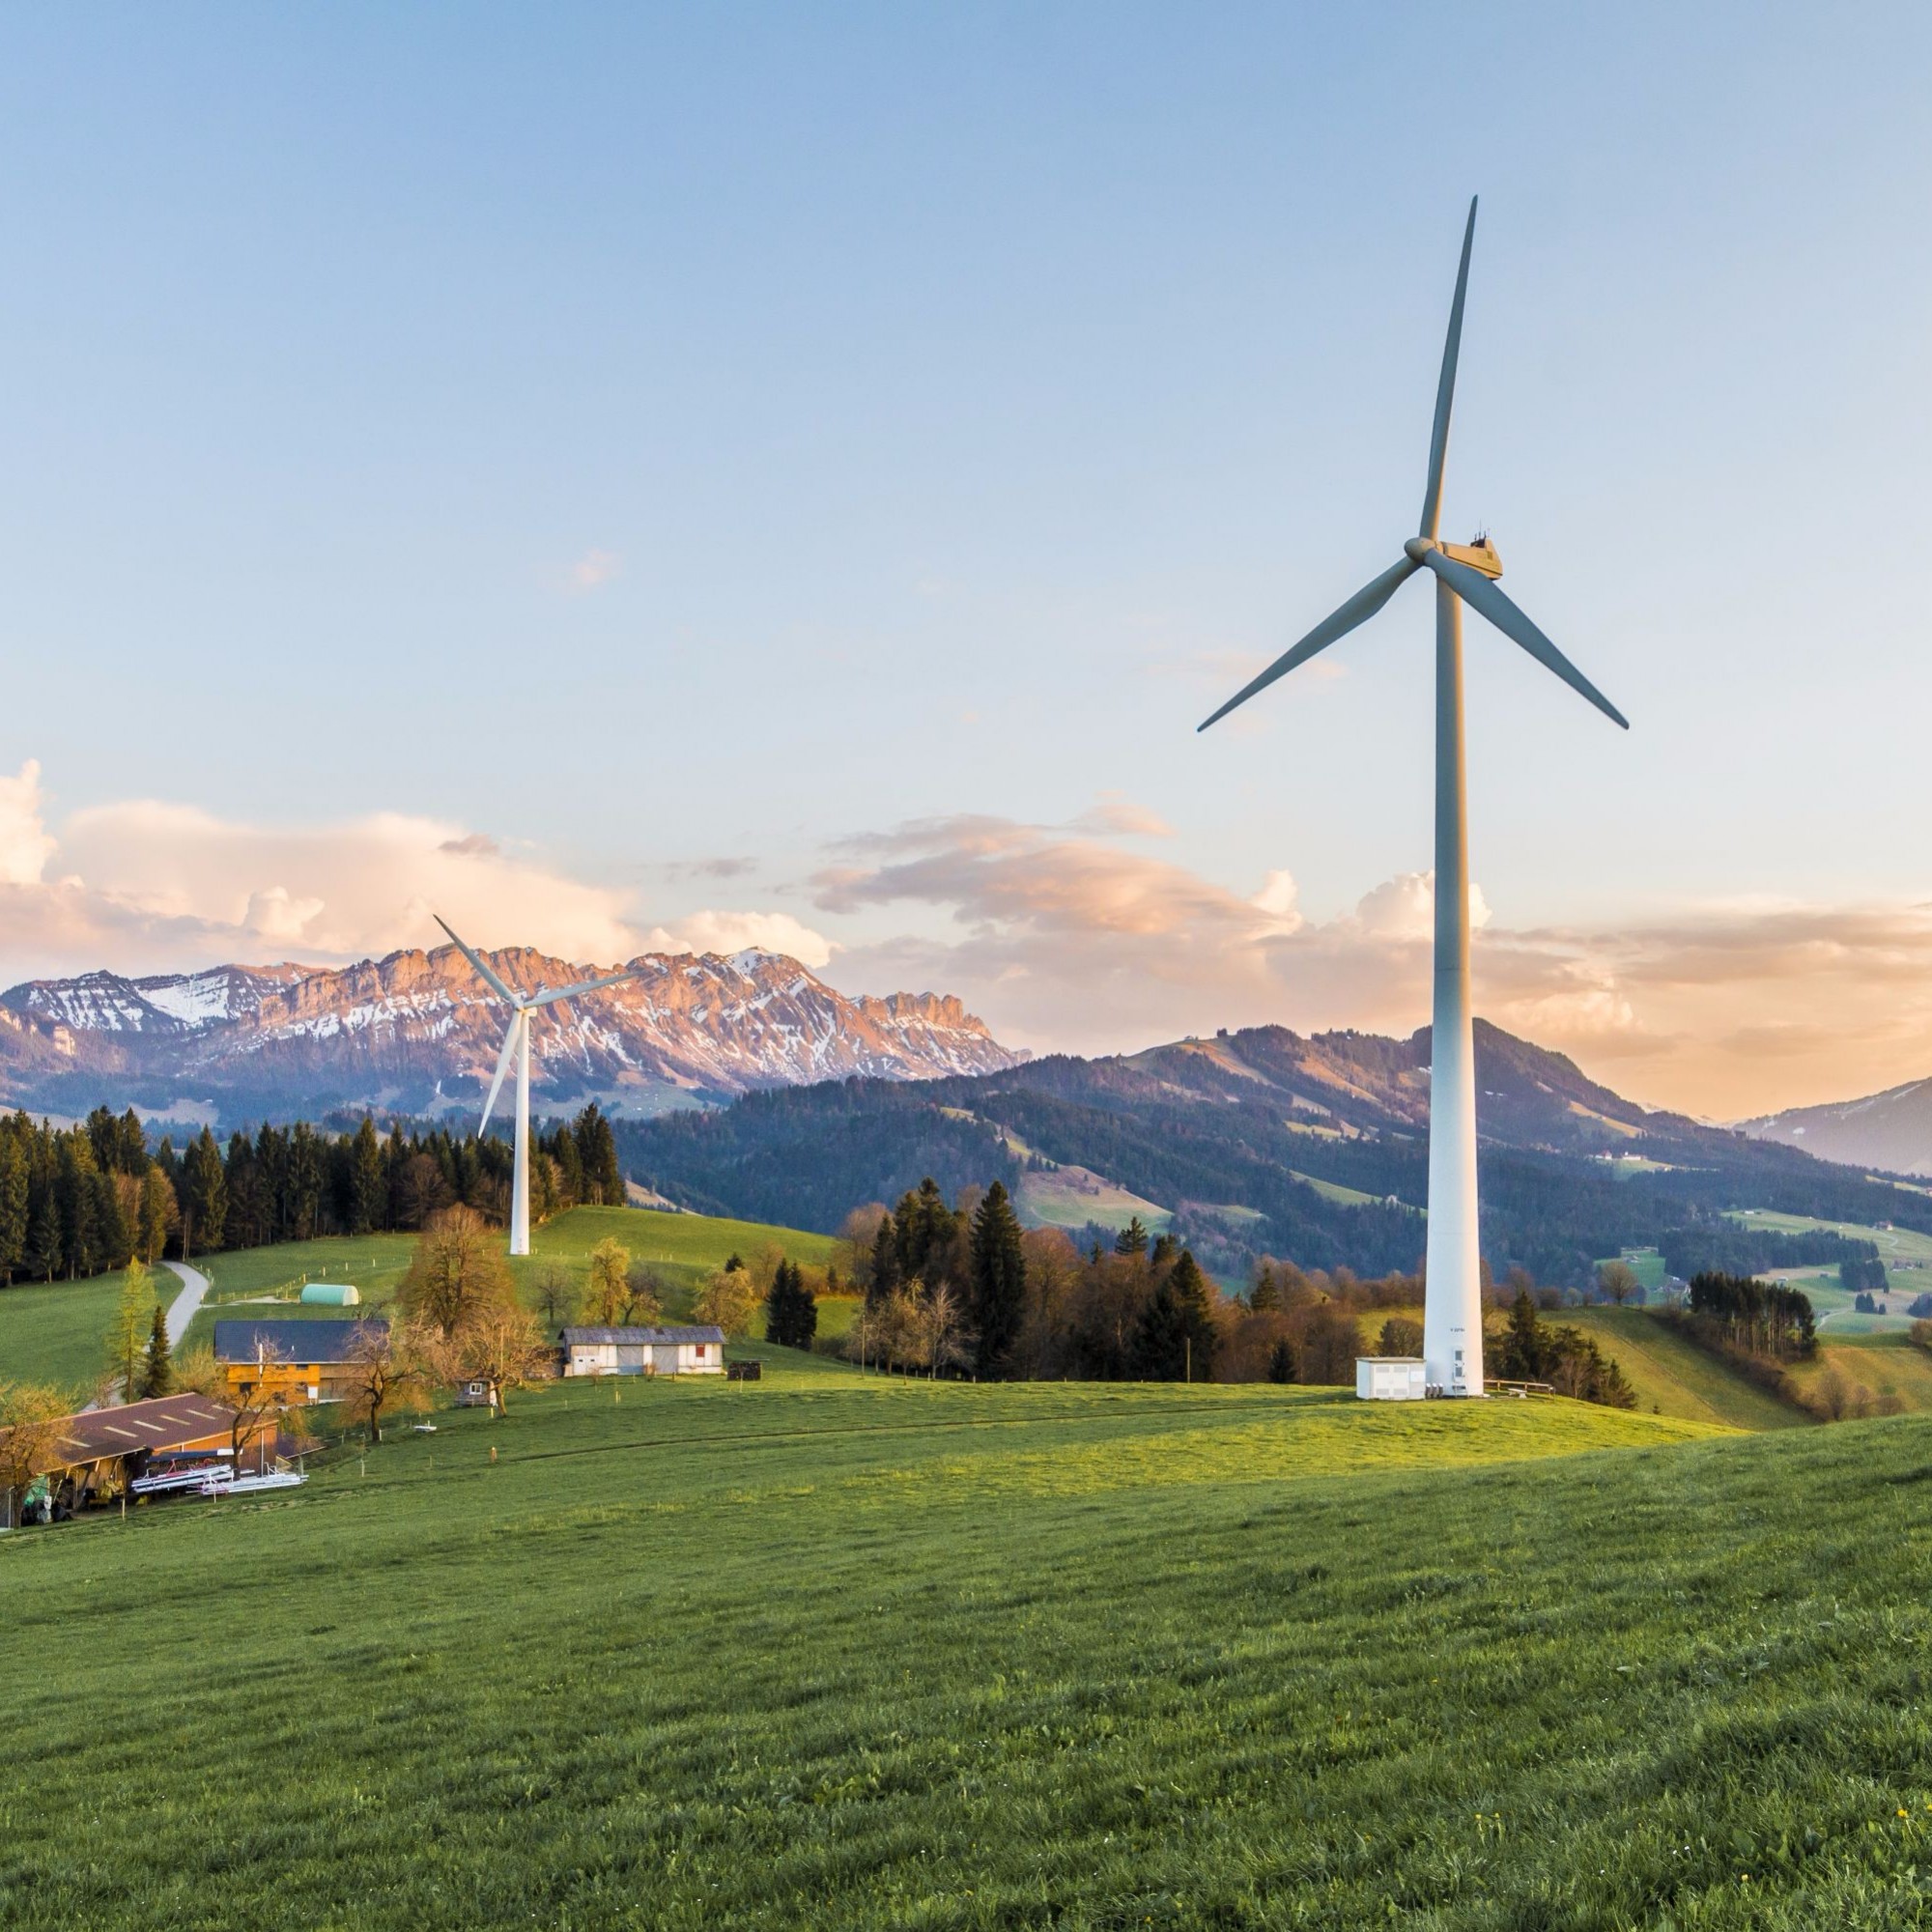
[299,1361]
[642,1351]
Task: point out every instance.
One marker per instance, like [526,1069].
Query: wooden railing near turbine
[1522,1391]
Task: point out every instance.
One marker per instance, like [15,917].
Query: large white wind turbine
[516,1041]
[1465,574]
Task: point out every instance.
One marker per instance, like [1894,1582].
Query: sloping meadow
[840,1651]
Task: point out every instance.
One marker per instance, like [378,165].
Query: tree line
[962,1289]
[84,1200]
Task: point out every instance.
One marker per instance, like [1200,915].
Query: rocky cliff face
[419,1032]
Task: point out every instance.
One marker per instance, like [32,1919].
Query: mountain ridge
[1891,1131]
[1270,1142]
[418,1032]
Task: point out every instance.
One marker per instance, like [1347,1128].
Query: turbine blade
[1358,609]
[502,1062]
[582,987]
[1481,594]
[476,959]
[1445,389]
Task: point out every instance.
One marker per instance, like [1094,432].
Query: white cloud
[743,932]
[148,886]
[1279,900]
[1068,943]
[25,845]
[1404,907]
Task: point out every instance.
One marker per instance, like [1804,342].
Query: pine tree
[804,1310]
[1158,1352]
[159,1374]
[597,1151]
[1526,1355]
[1133,1239]
[998,1281]
[1190,1293]
[1265,1294]
[885,1273]
[367,1182]
[777,1307]
[13,1206]
[205,1209]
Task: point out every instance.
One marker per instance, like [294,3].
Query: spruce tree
[1265,1294]
[1133,1239]
[777,1307]
[159,1373]
[804,1310]
[884,1272]
[998,1281]
[205,1210]
[368,1188]
[1281,1362]
[1158,1352]
[13,1206]
[1190,1293]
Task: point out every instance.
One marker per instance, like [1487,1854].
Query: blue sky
[684,449]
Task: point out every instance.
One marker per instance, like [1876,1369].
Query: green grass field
[1646,1264]
[57,1331]
[1894,1243]
[835,1651]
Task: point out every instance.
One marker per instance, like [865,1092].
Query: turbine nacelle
[1477,555]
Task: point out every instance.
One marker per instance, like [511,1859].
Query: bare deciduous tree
[458,1273]
[1618,1281]
[503,1349]
[557,1294]
[388,1368]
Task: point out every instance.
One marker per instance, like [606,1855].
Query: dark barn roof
[638,1337]
[241,1342]
[164,1423]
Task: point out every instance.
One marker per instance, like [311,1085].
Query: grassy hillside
[1877,1368]
[1673,1377]
[54,1333]
[851,1652]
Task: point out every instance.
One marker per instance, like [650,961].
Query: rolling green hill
[1672,1377]
[846,1652]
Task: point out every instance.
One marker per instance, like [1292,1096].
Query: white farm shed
[1390,1378]
[643,1352]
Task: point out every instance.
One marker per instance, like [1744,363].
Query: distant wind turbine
[516,1041]
[1452,1345]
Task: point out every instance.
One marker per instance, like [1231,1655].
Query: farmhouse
[642,1351]
[299,1361]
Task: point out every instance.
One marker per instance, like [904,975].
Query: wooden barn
[642,1351]
[299,1361]
[93,1456]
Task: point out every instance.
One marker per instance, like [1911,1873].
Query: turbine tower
[516,1041]
[1465,574]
